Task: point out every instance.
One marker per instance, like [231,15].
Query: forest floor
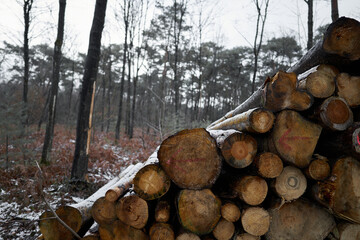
[23,186]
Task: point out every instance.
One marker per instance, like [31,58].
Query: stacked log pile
[285,164]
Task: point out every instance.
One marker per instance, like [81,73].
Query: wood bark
[276,94]
[339,46]
[198,210]
[224,230]
[230,212]
[151,182]
[113,194]
[238,149]
[340,192]
[190,158]
[335,114]
[251,189]
[319,81]
[268,165]
[291,184]
[161,231]
[133,211]
[80,162]
[348,88]
[255,221]
[336,144]
[49,134]
[256,120]
[51,228]
[301,220]
[319,169]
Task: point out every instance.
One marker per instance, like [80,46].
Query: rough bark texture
[340,46]
[198,210]
[190,158]
[80,162]
[254,120]
[300,220]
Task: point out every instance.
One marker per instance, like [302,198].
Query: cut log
[133,211]
[191,159]
[103,211]
[257,120]
[295,138]
[300,220]
[161,231]
[151,182]
[348,231]
[335,114]
[255,221]
[113,194]
[251,189]
[291,184]
[319,168]
[238,149]
[341,192]
[198,210]
[276,94]
[336,144]
[52,229]
[106,232]
[246,236]
[348,87]
[268,165]
[126,232]
[339,46]
[230,212]
[187,236]
[319,81]
[224,230]
[281,93]
[91,237]
[162,212]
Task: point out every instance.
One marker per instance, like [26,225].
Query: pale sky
[234,20]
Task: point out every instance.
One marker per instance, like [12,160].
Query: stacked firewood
[285,164]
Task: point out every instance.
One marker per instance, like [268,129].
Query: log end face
[255,221]
[262,120]
[336,114]
[291,184]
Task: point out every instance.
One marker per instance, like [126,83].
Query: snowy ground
[21,203]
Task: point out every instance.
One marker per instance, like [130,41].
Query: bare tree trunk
[257,46]
[310,23]
[80,163]
[126,22]
[127,117]
[49,134]
[71,92]
[26,10]
[103,103]
[108,94]
[334,10]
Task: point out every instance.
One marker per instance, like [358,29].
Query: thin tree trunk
[128,106]
[103,103]
[257,46]
[80,163]
[334,10]
[126,21]
[49,134]
[108,94]
[310,23]
[71,92]
[43,112]
[26,10]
